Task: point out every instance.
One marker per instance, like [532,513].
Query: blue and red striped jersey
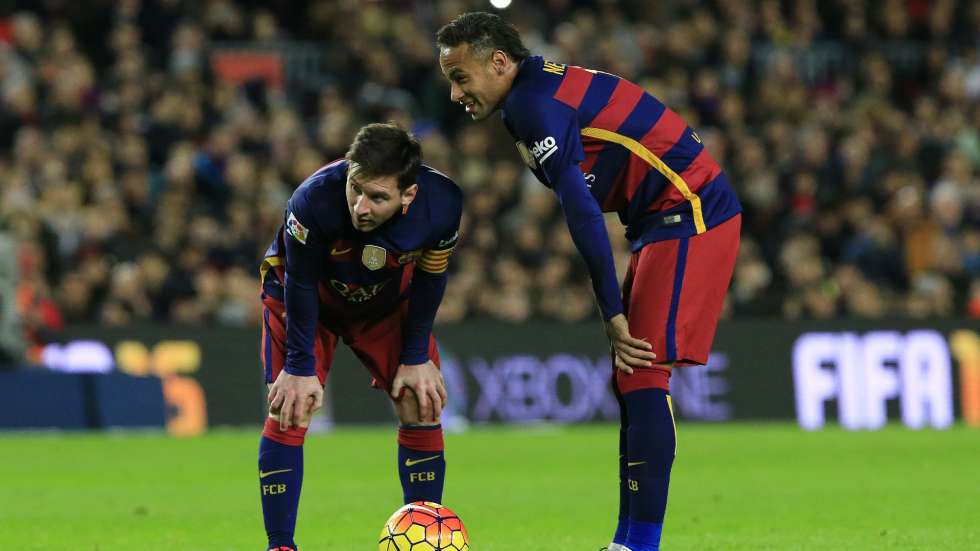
[325,270]
[638,158]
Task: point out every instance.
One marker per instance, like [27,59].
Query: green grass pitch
[735,487]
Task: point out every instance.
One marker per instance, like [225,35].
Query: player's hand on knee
[295,398]
[425,381]
[628,352]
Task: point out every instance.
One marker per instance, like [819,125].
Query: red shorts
[673,293]
[378,345]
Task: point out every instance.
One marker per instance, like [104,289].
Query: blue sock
[651,442]
[644,536]
[623,523]
[421,462]
[280,482]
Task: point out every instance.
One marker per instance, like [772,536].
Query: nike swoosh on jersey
[335,252]
[270,473]
[413,462]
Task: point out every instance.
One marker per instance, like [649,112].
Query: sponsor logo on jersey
[356,294]
[295,229]
[543,149]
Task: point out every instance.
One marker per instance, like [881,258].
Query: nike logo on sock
[270,473]
[635,463]
[413,462]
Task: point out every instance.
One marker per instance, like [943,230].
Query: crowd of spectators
[141,181]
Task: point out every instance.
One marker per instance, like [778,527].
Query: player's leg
[421,447]
[649,444]
[421,453]
[281,452]
[622,520]
[677,296]
[651,441]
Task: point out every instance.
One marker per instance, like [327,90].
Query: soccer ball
[424,526]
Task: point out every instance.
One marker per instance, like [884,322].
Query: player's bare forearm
[629,352]
[425,381]
[295,398]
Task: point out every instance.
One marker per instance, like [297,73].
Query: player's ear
[499,61]
[408,195]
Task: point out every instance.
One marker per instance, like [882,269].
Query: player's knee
[295,435]
[407,410]
[303,420]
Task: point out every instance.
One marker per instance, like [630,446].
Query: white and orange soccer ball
[424,526]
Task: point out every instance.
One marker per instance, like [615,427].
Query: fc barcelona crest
[373,257]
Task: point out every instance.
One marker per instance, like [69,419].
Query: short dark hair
[385,149]
[485,33]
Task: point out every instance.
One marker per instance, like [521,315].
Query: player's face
[373,201]
[479,83]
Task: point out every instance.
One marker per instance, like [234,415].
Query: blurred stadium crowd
[144,168]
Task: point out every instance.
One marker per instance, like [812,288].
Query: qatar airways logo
[355,293]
